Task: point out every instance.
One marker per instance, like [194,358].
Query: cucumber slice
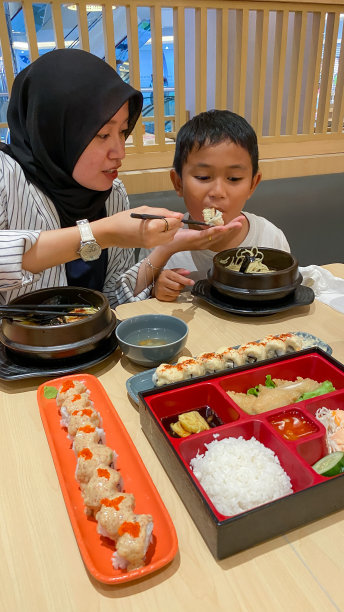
[330,465]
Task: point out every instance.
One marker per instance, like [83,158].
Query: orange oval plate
[96,550]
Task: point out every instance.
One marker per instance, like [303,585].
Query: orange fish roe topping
[84,412]
[86,453]
[76,397]
[103,473]
[66,386]
[112,503]
[87,429]
[132,528]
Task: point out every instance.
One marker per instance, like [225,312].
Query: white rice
[239,474]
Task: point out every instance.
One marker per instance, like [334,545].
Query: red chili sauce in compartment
[292,425]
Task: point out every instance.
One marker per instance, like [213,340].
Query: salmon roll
[134,538]
[70,388]
[90,457]
[114,510]
[104,482]
[79,401]
[87,435]
[80,418]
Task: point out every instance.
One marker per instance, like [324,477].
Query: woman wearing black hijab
[69,115]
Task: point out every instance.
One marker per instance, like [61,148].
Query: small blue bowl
[151,339]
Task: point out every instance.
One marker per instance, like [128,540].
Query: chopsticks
[34,311]
[145,216]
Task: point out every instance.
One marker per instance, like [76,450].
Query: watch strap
[85,230]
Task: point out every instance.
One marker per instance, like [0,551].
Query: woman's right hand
[124,231]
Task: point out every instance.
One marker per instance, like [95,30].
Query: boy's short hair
[213,127]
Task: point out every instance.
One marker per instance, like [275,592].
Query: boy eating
[215,166]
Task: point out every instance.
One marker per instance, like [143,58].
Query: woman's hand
[212,238]
[170,283]
[124,231]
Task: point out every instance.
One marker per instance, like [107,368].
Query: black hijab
[57,106]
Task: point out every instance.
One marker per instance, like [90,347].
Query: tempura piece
[114,510]
[90,457]
[104,482]
[132,544]
[212,216]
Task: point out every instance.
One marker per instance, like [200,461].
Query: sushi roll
[70,388]
[212,216]
[211,362]
[292,342]
[104,482]
[87,435]
[166,374]
[114,510]
[79,401]
[191,367]
[252,352]
[231,357]
[274,346]
[80,418]
[90,457]
[134,538]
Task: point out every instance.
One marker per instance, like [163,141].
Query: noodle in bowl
[279,280]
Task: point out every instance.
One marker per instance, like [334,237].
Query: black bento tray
[314,496]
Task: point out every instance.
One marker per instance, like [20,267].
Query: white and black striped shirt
[24,212]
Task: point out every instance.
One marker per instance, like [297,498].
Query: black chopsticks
[145,216]
[34,311]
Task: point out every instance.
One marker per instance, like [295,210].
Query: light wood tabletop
[40,565]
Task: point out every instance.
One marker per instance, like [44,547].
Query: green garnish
[325,387]
[50,392]
[269,382]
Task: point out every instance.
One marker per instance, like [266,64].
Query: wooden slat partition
[271,61]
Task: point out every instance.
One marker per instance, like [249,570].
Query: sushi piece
[134,538]
[212,216]
[191,367]
[114,510]
[87,435]
[90,457]
[80,418]
[252,352]
[274,346]
[70,388]
[211,362]
[292,342]
[79,401]
[104,482]
[166,374]
[232,358]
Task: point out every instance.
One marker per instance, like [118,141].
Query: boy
[215,166]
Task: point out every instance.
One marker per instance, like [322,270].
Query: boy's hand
[195,240]
[170,283]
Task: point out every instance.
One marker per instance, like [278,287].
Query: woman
[68,116]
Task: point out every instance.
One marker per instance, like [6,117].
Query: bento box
[311,495]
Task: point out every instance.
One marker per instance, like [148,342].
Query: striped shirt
[25,211]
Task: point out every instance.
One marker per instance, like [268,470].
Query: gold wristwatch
[89,248]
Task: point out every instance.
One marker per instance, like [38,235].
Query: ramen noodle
[255,266]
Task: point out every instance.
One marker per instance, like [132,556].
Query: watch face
[90,251]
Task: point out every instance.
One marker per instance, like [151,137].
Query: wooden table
[40,565]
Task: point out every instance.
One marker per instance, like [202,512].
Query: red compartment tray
[96,551]
[313,495]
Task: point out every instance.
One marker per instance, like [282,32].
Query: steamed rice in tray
[238,474]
